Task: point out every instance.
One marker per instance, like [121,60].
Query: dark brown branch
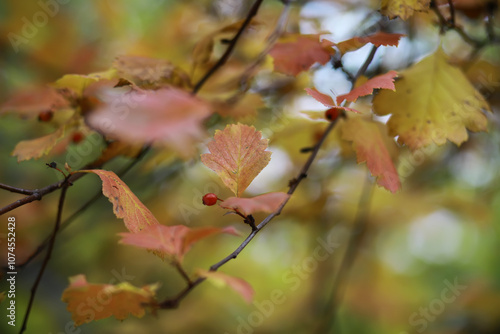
[17,190]
[452,12]
[364,67]
[174,302]
[222,60]
[65,184]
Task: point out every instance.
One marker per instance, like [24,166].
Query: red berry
[45,116]
[332,114]
[77,137]
[210,199]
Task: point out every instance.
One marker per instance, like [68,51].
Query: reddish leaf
[88,302]
[171,241]
[263,203]
[30,102]
[326,100]
[237,155]
[377,39]
[239,285]
[126,205]
[370,147]
[168,116]
[299,54]
[384,81]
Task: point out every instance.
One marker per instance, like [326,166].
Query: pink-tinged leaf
[30,102]
[168,117]
[370,147]
[239,285]
[384,81]
[299,54]
[237,155]
[320,97]
[171,241]
[126,205]
[263,203]
[377,39]
[120,301]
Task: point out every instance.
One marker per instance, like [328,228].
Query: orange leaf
[326,100]
[384,81]
[299,55]
[237,155]
[370,147]
[88,302]
[126,205]
[167,116]
[239,285]
[172,241]
[263,203]
[377,39]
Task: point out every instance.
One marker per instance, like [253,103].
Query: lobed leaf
[384,81]
[378,39]
[237,155]
[403,8]
[433,102]
[120,301]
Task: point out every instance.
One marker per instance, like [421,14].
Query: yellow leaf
[433,102]
[237,155]
[78,82]
[88,302]
[126,205]
[403,8]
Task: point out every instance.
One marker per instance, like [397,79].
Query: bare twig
[222,60]
[17,190]
[364,67]
[65,184]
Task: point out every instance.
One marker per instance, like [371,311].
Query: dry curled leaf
[263,203]
[126,205]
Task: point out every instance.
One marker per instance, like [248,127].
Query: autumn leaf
[150,72]
[384,81]
[171,241]
[403,8]
[237,155]
[370,147]
[263,203]
[126,205]
[239,285]
[378,39]
[168,117]
[298,54]
[79,82]
[326,100]
[35,148]
[30,102]
[433,102]
[120,301]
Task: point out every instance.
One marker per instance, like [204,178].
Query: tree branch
[17,190]
[65,184]
[222,60]
[174,302]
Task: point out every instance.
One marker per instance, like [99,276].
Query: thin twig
[364,67]
[17,190]
[452,12]
[338,286]
[65,184]
[222,60]
[174,302]
[183,273]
